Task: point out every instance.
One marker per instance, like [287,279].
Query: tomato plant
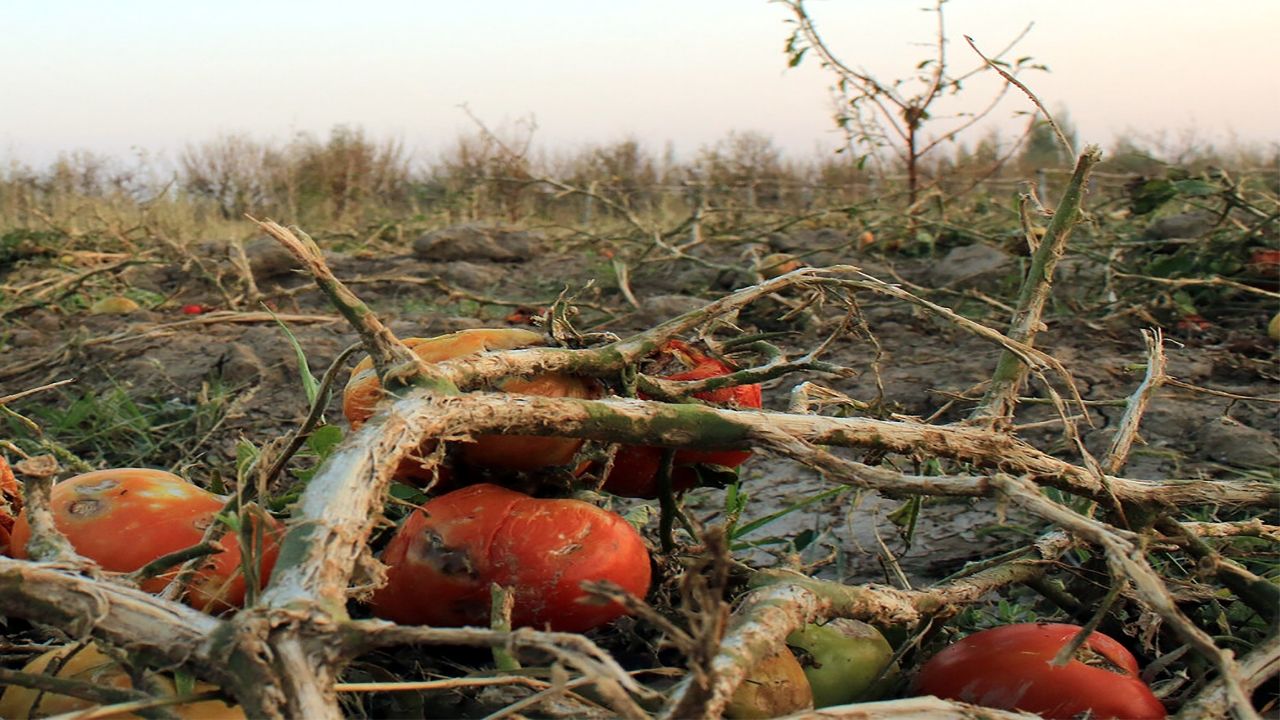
[517,453]
[442,560]
[124,518]
[89,664]
[635,467]
[1009,668]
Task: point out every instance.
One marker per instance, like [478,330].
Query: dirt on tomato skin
[249,374]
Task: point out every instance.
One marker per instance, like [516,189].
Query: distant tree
[896,114]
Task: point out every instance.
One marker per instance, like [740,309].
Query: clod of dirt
[476,242]
[268,259]
[44,320]
[659,308]
[24,337]
[467,275]
[801,240]
[1228,441]
[1183,225]
[971,265]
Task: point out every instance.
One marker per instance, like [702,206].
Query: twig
[1215,700]
[26,393]
[1260,594]
[1127,431]
[1057,131]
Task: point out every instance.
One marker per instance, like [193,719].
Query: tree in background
[897,115]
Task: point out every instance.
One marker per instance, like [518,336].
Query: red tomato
[517,453]
[635,467]
[442,560]
[1008,668]
[195,309]
[10,504]
[124,518]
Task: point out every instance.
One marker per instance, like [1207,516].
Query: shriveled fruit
[1009,668]
[89,664]
[635,468]
[124,518]
[496,452]
[775,686]
[114,305]
[844,659]
[778,264]
[442,560]
[10,504]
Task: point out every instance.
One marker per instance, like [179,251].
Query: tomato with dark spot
[442,560]
[512,453]
[635,467]
[124,518]
[1009,668]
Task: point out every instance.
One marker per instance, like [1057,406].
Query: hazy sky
[111,76]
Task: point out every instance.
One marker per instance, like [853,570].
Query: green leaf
[796,57]
[310,385]
[767,519]
[1195,188]
[906,517]
[407,493]
[1150,195]
[184,682]
[324,439]
[246,454]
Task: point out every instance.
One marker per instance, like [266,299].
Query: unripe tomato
[10,504]
[90,664]
[844,659]
[124,518]
[635,467]
[442,560]
[520,453]
[1008,668]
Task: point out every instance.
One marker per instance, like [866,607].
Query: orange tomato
[442,560]
[10,504]
[514,453]
[90,664]
[124,518]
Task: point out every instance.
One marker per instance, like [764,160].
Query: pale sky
[112,76]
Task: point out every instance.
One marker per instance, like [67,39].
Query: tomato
[1008,668]
[442,560]
[10,504]
[777,265]
[125,518]
[514,453]
[635,468]
[776,686]
[844,660]
[90,664]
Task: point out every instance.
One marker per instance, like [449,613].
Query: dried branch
[1011,371]
[1127,431]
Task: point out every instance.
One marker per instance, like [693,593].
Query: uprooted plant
[285,653]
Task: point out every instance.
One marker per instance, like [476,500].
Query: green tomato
[844,658]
